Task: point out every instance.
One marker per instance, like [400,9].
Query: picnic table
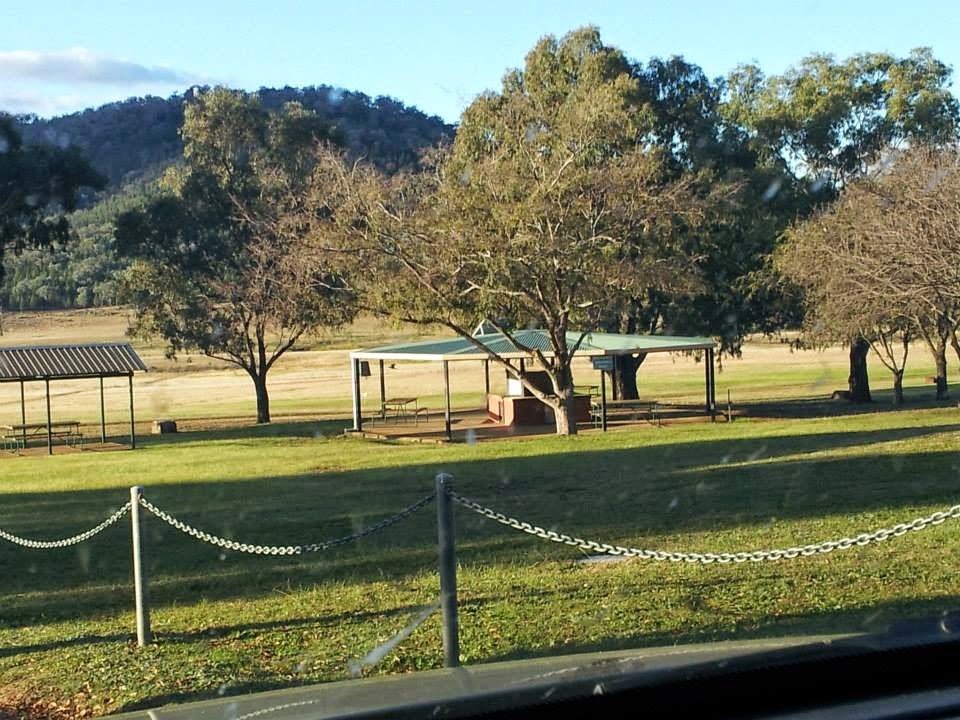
[650,407]
[15,437]
[402,409]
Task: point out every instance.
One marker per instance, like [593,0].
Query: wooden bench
[650,407]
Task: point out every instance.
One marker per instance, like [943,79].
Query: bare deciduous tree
[882,261]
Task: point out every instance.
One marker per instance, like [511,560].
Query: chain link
[282,549]
[66,542]
[788,553]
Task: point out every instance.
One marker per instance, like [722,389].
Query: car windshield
[343,340]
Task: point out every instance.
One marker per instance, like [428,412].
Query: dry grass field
[315,381]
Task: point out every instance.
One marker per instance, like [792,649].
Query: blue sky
[59,56]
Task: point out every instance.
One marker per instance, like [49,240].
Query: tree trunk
[565,412]
[858,381]
[955,342]
[626,383]
[263,400]
[898,387]
[940,358]
[565,415]
[937,335]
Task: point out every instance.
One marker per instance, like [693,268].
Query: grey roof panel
[69,361]
[596,343]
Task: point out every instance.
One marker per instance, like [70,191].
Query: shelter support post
[46,382]
[603,400]
[613,378]
[23,414]
[355,377]
[446,395]
[383,393]
[103,415]
[713,384]
[710,378]
[486,376]
[133,433]
[706,380]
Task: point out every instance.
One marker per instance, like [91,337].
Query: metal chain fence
[445,497]
[788,553]
[283,549]
[66,542]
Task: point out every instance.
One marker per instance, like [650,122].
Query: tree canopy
[829,122]
[220,262]
[38,185]
[547,207]
[686,122]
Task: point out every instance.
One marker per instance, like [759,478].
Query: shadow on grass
[213,632]
[291,429]
[236,631]
[616,495]
[916,398]
[875,619]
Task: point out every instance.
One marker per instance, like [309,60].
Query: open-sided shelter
[595,346]
[44,363]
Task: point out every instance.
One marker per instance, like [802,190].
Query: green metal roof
[597,343]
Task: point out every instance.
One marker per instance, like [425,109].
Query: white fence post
[144,637]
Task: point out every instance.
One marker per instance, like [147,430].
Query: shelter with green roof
[482,346]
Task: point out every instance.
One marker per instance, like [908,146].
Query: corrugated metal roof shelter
[483,343]
[66,362]
[60,362]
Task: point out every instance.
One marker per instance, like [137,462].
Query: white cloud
[16,101]
[79,65]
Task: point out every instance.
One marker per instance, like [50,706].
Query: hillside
[130,142]
[124,140]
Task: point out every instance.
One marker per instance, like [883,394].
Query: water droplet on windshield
[772,189]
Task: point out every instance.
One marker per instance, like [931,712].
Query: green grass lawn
[229,623]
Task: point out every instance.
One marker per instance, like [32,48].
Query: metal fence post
[144,636]
[448,570]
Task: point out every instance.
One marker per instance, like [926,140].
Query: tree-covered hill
[131,142]
[125,139]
